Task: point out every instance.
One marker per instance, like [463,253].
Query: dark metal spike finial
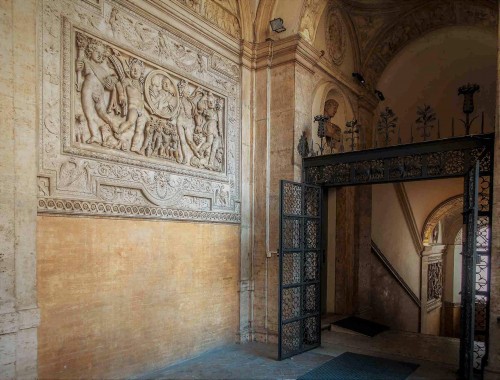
[468,91]
[439,130]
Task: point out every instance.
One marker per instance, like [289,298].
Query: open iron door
[468,295]
[299,268]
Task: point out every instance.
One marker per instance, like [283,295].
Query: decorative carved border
[96,208]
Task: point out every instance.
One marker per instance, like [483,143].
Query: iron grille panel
[299,266]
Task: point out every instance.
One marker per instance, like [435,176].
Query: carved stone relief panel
[336,36]
[137,120]
[222,13]
[311,10]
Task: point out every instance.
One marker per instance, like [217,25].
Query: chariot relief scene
[124,103]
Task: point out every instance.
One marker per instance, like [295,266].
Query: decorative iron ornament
[468,91]
[299,268]
[303,146]
[425,119]
[352,132]
[386,125]
[321,120]
[424,160]
[435,281]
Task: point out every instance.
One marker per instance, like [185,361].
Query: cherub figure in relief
[97,76]
[131,97]
[212,129]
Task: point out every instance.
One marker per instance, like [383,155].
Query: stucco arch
[450,208]
[246,20]
[417,22]
[264,15]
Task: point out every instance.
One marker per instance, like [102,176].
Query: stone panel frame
[84,179]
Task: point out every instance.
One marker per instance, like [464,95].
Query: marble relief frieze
[135,114]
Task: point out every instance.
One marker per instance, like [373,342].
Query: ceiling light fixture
[379,94]
[359,77]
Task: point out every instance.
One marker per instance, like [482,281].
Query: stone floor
[437,357]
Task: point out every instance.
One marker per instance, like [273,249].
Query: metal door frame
[446,158]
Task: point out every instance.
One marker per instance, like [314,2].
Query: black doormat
[361,325]
[350,366]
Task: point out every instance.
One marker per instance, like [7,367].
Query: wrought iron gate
[475,267]
[471,181]
[299,268]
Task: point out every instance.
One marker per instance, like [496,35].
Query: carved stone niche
[140,122]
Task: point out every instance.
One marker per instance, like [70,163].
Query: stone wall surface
[122,297]
[18,98]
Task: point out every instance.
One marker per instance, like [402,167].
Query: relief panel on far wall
[137,120]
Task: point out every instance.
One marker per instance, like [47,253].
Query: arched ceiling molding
[421,20]
[310,17]
[264,15]
[449,206]
[246,20]
[353,39]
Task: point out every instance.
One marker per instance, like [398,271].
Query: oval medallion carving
[336,38]
[161,94]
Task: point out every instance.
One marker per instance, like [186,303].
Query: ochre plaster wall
[124,297]
[391,233]
[390,305]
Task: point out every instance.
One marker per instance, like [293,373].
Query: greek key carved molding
[135,115]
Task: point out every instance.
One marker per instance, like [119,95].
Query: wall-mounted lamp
[359,77]
[379,94]
[277,25]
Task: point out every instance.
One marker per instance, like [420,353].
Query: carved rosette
[138,121]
